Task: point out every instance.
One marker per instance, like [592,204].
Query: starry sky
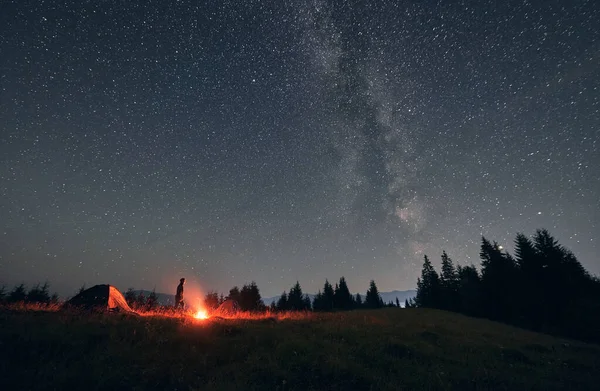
[275,141]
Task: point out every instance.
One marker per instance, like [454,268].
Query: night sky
[275,141]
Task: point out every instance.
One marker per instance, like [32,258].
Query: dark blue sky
[275,141]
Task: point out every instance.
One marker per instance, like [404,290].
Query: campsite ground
[389,349]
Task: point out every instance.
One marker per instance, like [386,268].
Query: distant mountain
[386,296]
[167,299]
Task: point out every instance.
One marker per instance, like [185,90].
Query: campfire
[201,314]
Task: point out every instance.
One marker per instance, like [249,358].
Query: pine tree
[342,295]
[250,299]
[282,303]
[428,286]
[212,301]
[397,302]
[39,294]
[532,302]
[234,294]
[317,303]
[469,291]
[498,274]
[18,294]
[328,297]
[358,302]
[296,299]
[449,284]
[306,304]
[373,299]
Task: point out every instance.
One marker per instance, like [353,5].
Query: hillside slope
[389,349]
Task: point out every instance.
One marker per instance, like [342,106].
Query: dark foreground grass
[388,349]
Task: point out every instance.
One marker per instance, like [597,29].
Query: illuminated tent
[227,308]
[105,298]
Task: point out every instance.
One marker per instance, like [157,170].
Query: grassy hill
[389,349]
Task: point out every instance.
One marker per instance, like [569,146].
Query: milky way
[279,141]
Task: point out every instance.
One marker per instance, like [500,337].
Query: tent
[227,308]
[101,298]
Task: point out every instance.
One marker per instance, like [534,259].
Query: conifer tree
[282,303]
[328,297]
[296,300]
[317,303]
[373,298]
[211,301]
[250,299]
[39,294]
[449,284]
[428,286]
[18,294]
[342,295]
[498,274]
[234,294]
[358,302]
[469,291]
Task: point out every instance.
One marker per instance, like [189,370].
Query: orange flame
[201,314]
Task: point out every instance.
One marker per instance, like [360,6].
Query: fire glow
[201,314]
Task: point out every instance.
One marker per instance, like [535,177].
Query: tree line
[542,287]
[331,298]
[38,294]
[138,301]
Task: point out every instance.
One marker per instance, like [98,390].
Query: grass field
[388,349]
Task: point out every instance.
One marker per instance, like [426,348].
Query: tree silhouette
[18,294]
[39,294]
[328,296]
[234,294]
[449,284]
[342,296]
[296,300]
[282,303]
[249,298]
[469,290]
[372,298]
[318,304]
[212,301]
[498,273]
[428,286]
[532,300]
[544,287]
[358,302]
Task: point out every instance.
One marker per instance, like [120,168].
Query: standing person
[179,294]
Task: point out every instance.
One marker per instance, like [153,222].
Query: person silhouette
[179,295]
